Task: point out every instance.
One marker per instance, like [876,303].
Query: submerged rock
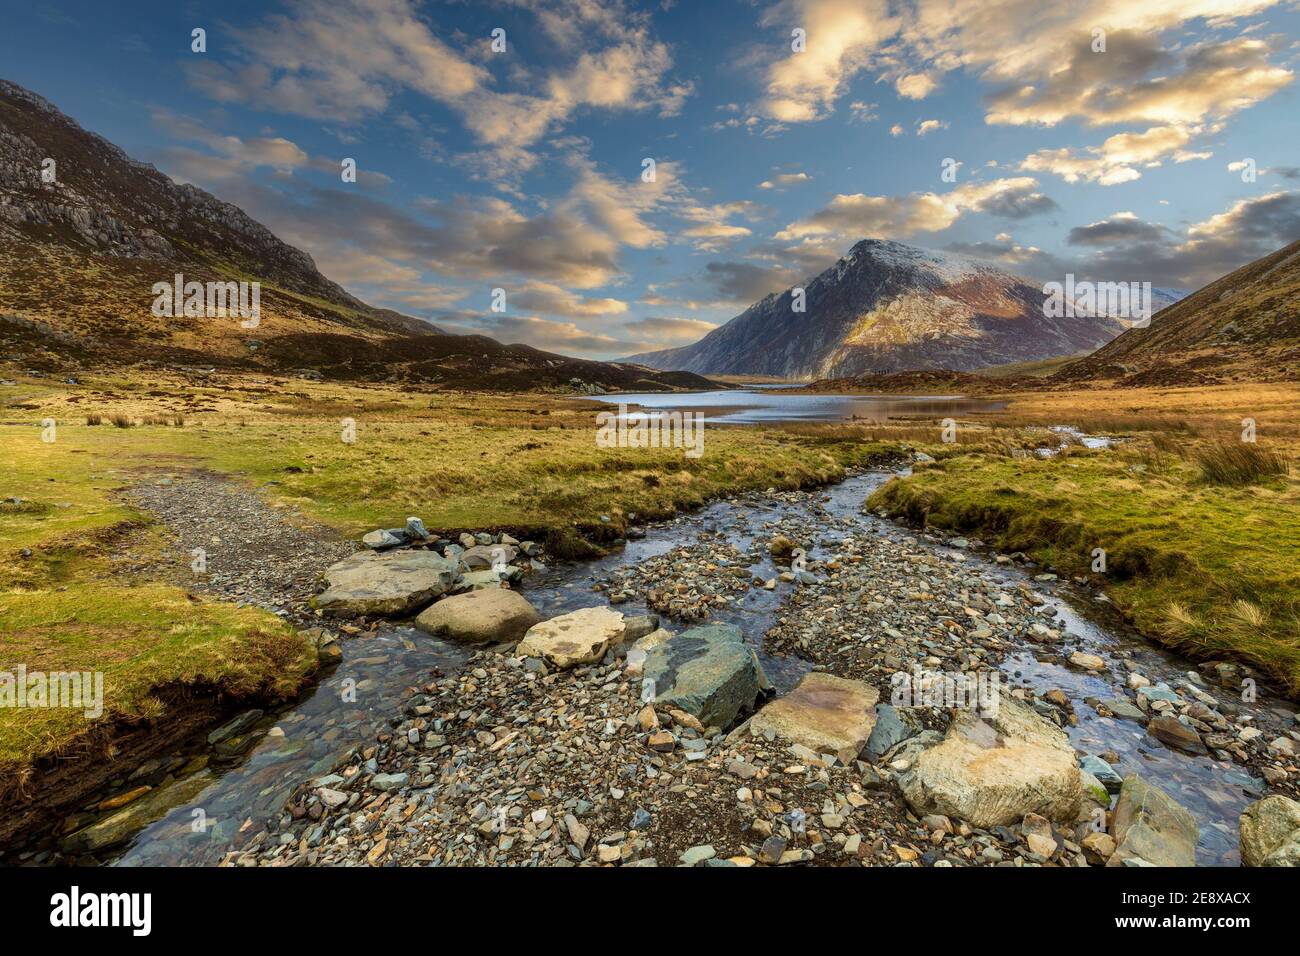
[391,583]
[1151,828]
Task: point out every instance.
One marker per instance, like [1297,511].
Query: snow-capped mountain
[886,307]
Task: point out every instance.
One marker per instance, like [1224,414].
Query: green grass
[1210,570]
[62,609]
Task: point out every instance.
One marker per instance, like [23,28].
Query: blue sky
[522,169]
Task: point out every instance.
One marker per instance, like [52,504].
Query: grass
[63,608]
[1211,570]
[1241,463]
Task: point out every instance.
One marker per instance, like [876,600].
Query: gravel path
[254,553]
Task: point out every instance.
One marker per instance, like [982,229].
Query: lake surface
[744,406]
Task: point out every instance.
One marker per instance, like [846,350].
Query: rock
[1174,733]
[1124,709]
[994,770]
[122,825]
[415,530]
[1094,789]
[708,672]
[234,727]
[1098,847]
[390,781]
[1151,829]
[653,639]
[1089,662]
[480,617]
[698,854]
[487,580]
[824,713]
[380,539]
[579,637]
[482,557]
[391,583]
[636,628]
[772,849]
[1103,771]
[1270,832]
[892,727]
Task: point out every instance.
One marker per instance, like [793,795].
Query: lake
[744,406]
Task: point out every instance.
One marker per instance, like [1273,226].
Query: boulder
[991,771]
[709,672]
[823,713]
[892,727]
[1270,832]
[1151,829]
[486,616]
[579,637]
[390,583]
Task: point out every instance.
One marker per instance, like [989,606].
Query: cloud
[840,36]
[857,216]
[1120,228]
[1115,160]
[785,179]
[930,126]
[1040,61]
[915,86]
[344,60]
[1245,231]
[663,332]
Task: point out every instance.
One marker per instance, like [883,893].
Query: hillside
[79,257]
[1245,325]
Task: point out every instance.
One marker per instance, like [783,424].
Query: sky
[633,174]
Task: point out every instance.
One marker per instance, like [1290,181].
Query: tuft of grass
[121,421]
[1240,463]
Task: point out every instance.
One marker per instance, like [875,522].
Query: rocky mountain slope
[889,307]
[84,240]
[1244,325]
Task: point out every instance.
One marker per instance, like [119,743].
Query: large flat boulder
[388,584]
[1270,832]
[709,672]
[824,713]
[993,770]
[488,616]
[579,637]
[1151,828]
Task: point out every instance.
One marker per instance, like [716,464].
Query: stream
[307,739]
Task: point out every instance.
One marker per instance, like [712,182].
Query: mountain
[1244,325]
[81,252]
[889,307]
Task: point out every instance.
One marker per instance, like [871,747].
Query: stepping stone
[487,616]
[391,583]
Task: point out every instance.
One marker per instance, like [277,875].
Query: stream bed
[355,700]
